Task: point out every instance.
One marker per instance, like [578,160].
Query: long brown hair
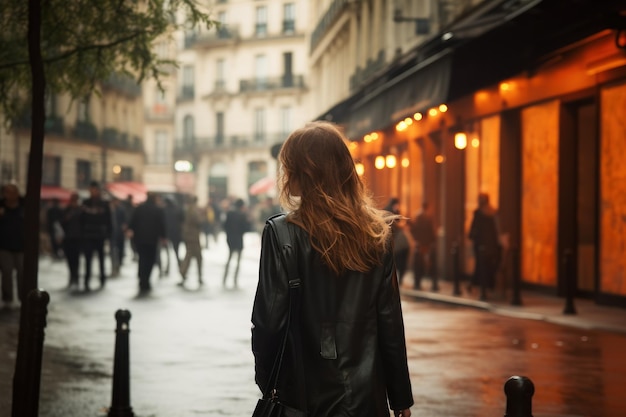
[318,182]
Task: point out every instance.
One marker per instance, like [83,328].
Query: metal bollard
[519,392]
[120,403]
[568,268]
[517,281]
[456,268]
[27,378]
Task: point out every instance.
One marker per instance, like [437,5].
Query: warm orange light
[405,162]
[460,140]
[367,138]
[433,112]
[418,116]
[379,162]
[374,135]
[401,126]
[475,142]
[117,169]
[390,161]
[443,108]
[360,168]
[439,159]
[408,121]
[505,86]
[352,146]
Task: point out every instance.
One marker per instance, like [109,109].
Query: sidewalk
[535,306]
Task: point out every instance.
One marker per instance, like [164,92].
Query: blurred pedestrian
[192,227]
[208,223]
[129,206]
[118,235]
[11,243]
[72,238]
[486,243]
[352,359]
[53,219]
[147,229]
[174,217]
[267,210]
[401,245]
[235,226]
[422,230]
[96,229]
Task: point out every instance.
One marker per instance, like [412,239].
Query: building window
[285,121]
[260,71]
[160,96]
[259,125]
[219,128]
[83,174]
[187,89]
[82,110]
[261,21]
[160,148]
[122,173]
[220,74]
[188,130]
[288,69]
[51,170]
[289,18]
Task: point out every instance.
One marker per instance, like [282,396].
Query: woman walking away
[349,358]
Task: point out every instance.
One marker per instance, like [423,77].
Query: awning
[123,189]
[50,192]
[423,86]
[262,186]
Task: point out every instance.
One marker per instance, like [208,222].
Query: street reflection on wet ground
[460,359]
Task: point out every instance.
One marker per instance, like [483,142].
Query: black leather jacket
[352,332]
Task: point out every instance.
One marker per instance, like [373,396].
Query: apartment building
[242,88]
[97,137]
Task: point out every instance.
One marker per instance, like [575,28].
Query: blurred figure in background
[11,242]
[147,229]
[71,223]
[53,219]
[174,217]
[96,229]
[192,227]
[118,235]
[486,241]
[235,225]
[423,232]
[208,223]
[401,245]
[267,210]
[129,206]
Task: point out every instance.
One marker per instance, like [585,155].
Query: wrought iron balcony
[86,131]
[122,83]
[325,23]
[194,145]
[273,83]
[221,34]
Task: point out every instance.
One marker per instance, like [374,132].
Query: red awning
[262,186]
[123,189]
[50,192]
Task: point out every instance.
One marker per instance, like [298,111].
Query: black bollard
[120,403]
[570,283]
[456,268]
[27,378]
[516,277]
[519,392]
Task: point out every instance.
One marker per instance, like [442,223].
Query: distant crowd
[113,230]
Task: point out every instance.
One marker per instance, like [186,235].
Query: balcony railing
[86,131]
[204,144]
[187,92]
[122,83]
[273,83]
[361,76]
[332,14]
[159,112]
[223,33]
[289,26]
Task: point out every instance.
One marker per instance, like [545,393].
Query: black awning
[423,86]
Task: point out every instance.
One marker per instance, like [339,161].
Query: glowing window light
[460,140]
[360,168]
[390,161]
[433,112]
[443,108]
[405,162]
[418,116]
[379,162]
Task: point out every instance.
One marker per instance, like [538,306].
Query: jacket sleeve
[269,312]
[392,341]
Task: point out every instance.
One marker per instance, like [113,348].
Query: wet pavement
[190,349]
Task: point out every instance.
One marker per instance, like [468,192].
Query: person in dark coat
[401,245]
[118,235]
[192,227]
[11,242]
[147,227]
[486,242]
[423,232]
[236,225]
[72,238]
[353,359]
[174,217]
[96,229]
[53,218]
